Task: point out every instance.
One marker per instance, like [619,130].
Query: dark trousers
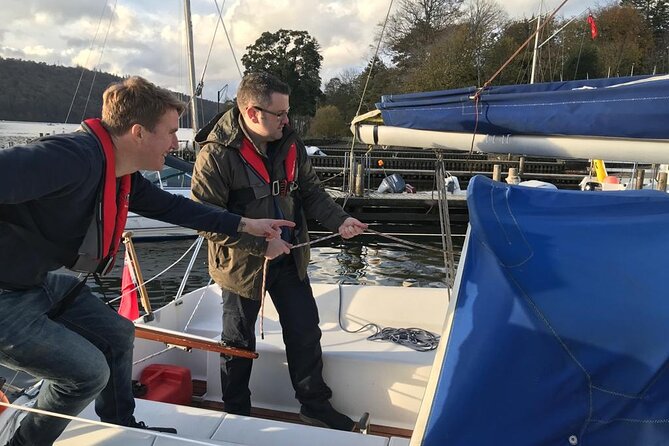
[298,315]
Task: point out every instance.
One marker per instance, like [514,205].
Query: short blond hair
[136,101]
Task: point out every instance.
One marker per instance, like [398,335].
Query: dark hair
[136,101]
[257,89]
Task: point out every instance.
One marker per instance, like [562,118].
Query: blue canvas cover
[561,327]
[630,107]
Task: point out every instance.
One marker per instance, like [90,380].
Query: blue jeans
[298,315]
[82,354]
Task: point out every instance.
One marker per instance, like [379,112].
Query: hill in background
[37,92]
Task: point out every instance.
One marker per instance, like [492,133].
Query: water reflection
[364,260]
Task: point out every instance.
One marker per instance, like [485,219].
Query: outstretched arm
[263,227]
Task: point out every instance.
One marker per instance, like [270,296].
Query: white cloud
[148,37]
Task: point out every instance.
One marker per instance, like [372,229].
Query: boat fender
[452,184]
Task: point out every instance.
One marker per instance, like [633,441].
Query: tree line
[443,44]
[38,92]
[427,45]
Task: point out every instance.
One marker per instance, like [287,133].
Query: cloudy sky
[147,37]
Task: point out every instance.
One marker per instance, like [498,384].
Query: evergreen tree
[292,56]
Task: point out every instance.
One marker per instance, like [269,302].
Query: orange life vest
[101,243]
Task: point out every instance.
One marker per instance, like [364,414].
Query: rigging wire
[83,68]
[211,46]
[156,276]
[580,49]
[364,90]
[102,51]
[227,36]
[520,48]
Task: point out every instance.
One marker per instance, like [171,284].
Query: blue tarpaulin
[631,107]
[561,330]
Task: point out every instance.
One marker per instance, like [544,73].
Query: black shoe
[324,415]
[236,409]
[142,425]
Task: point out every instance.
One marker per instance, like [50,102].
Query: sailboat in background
[617,119]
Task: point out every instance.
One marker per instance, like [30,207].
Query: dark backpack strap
[69,298]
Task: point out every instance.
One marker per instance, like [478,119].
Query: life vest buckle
[276,187]
[293,186]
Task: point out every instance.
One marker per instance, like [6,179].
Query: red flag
[128,308]
[593,27]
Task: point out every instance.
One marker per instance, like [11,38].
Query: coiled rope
[415,338]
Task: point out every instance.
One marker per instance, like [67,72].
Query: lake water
[18,132]
[365,260]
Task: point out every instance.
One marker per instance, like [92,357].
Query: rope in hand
[415,338]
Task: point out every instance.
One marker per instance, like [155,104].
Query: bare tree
[415,25]
[486,20]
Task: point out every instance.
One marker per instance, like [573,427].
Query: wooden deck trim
[200,388]
[189,341]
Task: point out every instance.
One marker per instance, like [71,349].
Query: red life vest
[98,250]
[255,163]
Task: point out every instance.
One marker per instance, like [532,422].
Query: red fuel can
[167,383]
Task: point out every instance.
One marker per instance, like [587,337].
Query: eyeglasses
[279,116]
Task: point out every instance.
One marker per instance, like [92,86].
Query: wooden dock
[403,213]
[417,166]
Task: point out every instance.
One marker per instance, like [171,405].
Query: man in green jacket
[253,163]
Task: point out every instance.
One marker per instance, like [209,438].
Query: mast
[195,112]
[536,44]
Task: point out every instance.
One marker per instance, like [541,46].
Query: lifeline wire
[157,275]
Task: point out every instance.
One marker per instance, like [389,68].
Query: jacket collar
[225,129]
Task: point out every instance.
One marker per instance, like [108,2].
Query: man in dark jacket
[253,163]
[52,193]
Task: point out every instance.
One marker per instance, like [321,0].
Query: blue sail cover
[561,327]
[630,107]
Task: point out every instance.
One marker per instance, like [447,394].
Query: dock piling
[512,177]
[638,178]
[497,172]
[662,181]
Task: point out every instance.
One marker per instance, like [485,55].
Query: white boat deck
[205,427]
[385,379]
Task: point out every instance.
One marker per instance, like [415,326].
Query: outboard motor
[392,184]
